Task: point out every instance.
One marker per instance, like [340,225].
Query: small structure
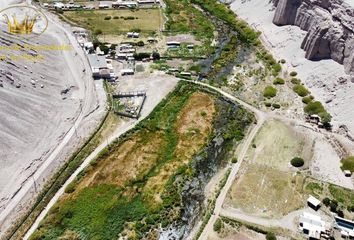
[313,203]
[125,72]
[99,66]
[347,173]
[133,35]
[148,3]
[151,40]
[314,226]
[173,44]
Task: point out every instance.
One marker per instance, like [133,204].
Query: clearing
[115,22]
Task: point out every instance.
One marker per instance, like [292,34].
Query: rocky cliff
[329,25]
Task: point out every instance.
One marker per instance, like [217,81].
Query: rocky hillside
[329,25]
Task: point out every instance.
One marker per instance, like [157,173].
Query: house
[151,40]
[313,202]
[313,226]
[99,66]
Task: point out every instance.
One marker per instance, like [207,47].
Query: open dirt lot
[266,192]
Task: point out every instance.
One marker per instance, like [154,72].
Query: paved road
[88,95]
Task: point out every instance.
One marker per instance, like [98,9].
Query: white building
[313,226]
[99,66]
[313,203]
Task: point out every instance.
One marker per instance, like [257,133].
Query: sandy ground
[284,42]
[37,124]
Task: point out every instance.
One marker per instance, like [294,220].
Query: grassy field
[121,21]
[266,191]
[276,144]
[185,18]
[134,185]
[268,188]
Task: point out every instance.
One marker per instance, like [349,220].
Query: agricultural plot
[115,22]
[135,186]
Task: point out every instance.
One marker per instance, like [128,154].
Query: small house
[313,203]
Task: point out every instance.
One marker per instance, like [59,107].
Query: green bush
[295,81]
[277,67]
[300,90]
[306,100]
[293,73]
[271,236]
[107,18]
[269,92]
[326,201]
[278,81]
[276,105]
[234,160]
[267,104]
[314,108]
[348,163]
[282,61]
[71,187]
[98,32]
[297,162]
[218,225]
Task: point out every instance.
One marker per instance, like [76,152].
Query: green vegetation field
[135,185]
[121,21]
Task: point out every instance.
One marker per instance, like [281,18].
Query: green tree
[271,236]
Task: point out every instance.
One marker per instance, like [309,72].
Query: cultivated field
[120,21]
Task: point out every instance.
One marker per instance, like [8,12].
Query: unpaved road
[260,116]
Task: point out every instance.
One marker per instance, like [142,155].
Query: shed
[347,173]
[313,203]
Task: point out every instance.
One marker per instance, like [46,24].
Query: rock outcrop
[329,25]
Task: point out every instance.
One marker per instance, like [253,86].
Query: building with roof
[99,66]
[313,226]
[313,203]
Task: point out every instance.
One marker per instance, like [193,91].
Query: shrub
[314,108]
[140,44]
[107,18]
[98,32]
[295,81]
[70,188]
[269,92]
[306,100]
[267,104]
[348,163]
[326,201]
[271,236]
[297,162]
[340,213]
[218,225]
[278,81]
[276,105]
[282,61]
[234,160]
[333,206]
[115,17]
[300,90]
[156,56]
[293,73]
[277,67]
